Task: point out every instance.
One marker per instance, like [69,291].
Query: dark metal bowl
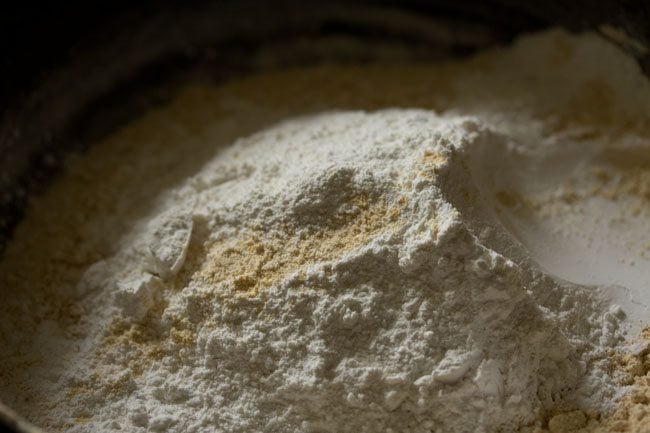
[73,72]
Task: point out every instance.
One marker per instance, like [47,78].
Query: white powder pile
[338,270]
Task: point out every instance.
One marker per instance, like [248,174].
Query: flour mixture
[440,248]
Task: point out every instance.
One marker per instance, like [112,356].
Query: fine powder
[292,253]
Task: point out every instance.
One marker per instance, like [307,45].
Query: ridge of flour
[319,268]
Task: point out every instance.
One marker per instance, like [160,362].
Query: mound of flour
[339,271]
[334,289]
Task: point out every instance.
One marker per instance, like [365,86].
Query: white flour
[346,271]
